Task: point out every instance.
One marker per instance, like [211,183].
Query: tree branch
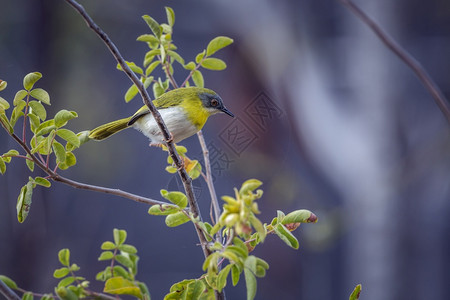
[187,181]
[7,292]
[412,63]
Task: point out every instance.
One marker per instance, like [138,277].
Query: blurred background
[327,117]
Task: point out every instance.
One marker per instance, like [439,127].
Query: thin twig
[187,181]
[7,292]
[407,58]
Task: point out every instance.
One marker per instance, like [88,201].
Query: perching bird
[184,110]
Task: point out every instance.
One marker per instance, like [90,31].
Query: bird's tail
[108,129]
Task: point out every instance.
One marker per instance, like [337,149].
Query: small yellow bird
[184,110]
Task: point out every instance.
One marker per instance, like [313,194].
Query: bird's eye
[214,102]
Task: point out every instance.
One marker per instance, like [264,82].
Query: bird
[184,111]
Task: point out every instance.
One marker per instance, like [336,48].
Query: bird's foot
[170,138]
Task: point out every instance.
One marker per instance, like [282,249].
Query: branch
[7,292]
[187,181]
[56,177]
[389,42]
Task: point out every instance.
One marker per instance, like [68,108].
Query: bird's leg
[170,138]
[156,145]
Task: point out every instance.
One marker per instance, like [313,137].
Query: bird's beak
[225,110]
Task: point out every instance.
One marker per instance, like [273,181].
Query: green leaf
[249,186]
[108,246]
[30,79]
[132,66]
[24,202]
[120,271]
[119,236]
[121,286]
[154,26]
[148,38]
[2,166]
[176,56]
[170,16]
[61,272]
[19,96]
[128,248]
[162,210]
[66,281]
[250,283]
[151,67]
[68,136]
[74,268]
[60,152]
[213,64]
[356,293]
[29,163]
[9,282]
[190,66]
[71,160]
[299,216]
[166,29]
[157,90]
[6,122]
[217,43]
[40,95]
[11,153]
[176,219]
[64,256]
[27,296]
[42,182]
[197,77]
[194,290]
[259,227]
[131,93]
[238,251]
[34,122]
[38,109]
[3,85]
[106,255]
[200,56]
[222,278]
[177,198]
[63,116]
[235,274]
[286,236]
[4,105]
[66,293]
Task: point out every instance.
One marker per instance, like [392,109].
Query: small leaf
[128,248]
[300,216]
[250,283]
[131,93]
[63,116]
[6,122]
[106,255]
[217,43]
[19,96]
[9,282]
[170,16]
[68,136]
[60,152]
[34,122]
[64,256]
[356,293]
[30,79]
[3,85]
[154,26]
[249,186]
[222,278]
[151,67]
[194,290]
[61,272]
[162,210]
[200,56]
[176,219]
[120,271]
[259,227]
[177,198]
[148,38]
[71,160]
[38,109]
[27,296]
[66,281]
[29,163]
[121,286]
[189,66]
[40,95]
[235,274]
[4,105]
[119,236]
[42,182]
[108,246]
[213,64]
[197,77]
[2,166]
[24,202]
[176,56]
[286,236]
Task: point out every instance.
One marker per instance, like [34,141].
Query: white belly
[175,120]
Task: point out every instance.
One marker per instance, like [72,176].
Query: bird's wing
[160,103]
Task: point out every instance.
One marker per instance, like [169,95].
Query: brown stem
[187,181]
[407,58]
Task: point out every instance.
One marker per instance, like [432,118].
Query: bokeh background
[331,120]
